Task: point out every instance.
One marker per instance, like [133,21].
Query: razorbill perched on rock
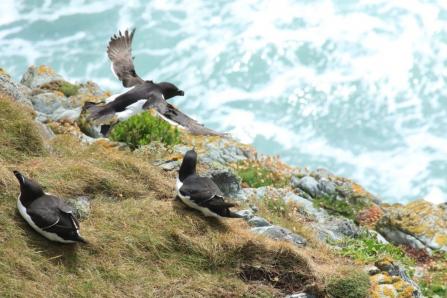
[142,94]
[47,214]
[201,193]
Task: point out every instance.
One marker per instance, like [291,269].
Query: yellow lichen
[387,291]
[441,239]
[43,69]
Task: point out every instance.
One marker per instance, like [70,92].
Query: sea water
[357,87]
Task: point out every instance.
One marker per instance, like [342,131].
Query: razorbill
[201,193]
[47,214]
[142,94]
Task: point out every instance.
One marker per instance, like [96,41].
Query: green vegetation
[353,285]
[367,249]
[434,284]
[144,128]
[67,88]
[340,207]
[255,174]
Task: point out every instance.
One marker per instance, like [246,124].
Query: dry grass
[142,242]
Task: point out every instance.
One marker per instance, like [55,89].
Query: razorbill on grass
[201,193]
[47,214]
[142,94]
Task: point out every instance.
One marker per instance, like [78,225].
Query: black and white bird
[142,95]
[201,193]
[48,215]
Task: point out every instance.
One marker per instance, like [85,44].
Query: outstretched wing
[119,51]
[194,127]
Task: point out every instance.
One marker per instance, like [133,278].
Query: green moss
[367,249]
[69,89]
[255,175]
[143,129]
[335,206]
[354,285]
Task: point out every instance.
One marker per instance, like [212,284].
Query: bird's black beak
[181,93]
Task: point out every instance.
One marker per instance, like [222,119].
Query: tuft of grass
[353,285]
[367,249]
[19,136]
[255,174]
[434,282]
[143,129]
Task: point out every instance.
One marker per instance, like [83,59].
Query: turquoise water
[358,87]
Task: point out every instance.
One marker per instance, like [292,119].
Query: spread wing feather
[119,51]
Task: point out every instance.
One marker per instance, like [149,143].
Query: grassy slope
[142,242]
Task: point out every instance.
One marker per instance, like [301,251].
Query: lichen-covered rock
[37,76]
[245,214]
[55,106]
[280,233]
[226,180]
[419,224]
[17,91]
[391,281]
[81,206]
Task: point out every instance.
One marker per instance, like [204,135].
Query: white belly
[131,110]
[188,202]
[48,235]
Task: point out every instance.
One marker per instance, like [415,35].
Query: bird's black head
[29,189]
[188,166]
[170,90]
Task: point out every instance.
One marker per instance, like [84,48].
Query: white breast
[133,109]
[190,203]
[48,235]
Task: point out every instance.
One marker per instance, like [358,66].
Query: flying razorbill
[142,94]
[201,193]
[48,215]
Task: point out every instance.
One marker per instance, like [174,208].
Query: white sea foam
[358,88]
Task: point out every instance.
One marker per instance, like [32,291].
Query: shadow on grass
[58,253]
[184,211]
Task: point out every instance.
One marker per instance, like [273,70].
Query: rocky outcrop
[419,224]
[334,208]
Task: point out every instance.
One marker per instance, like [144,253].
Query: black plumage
[201,193]
[47,214]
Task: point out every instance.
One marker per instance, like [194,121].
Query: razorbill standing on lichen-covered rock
[47,214]
[201,193]
[142,94]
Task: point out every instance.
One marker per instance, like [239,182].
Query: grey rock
[372,270]
[309,185]
[321,173]
[257,221]
[81,206]
[45,131]
[327,187]
[301,295]
[17,91]
[54,106]
[398,237]
[227,181]
[306,207]
[246,213]
[336,228]
[37,76]
[169,165]
[378,237]
[279,233]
